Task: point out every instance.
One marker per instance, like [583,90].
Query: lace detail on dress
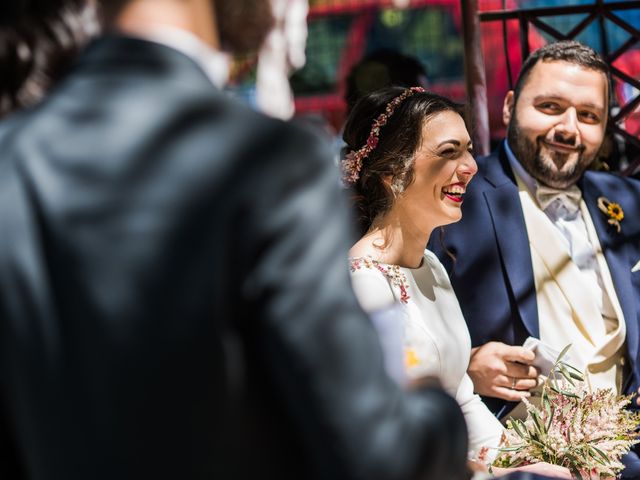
[392,272]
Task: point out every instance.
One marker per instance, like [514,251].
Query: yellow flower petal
[615,211]
[410,358]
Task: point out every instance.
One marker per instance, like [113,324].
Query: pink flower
[350,157]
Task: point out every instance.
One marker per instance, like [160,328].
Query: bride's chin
[451,219]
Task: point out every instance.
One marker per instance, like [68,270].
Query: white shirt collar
[214,63]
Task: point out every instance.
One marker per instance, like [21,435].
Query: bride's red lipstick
[454,197]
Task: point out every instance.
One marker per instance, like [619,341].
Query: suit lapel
[511,235]
[616,252]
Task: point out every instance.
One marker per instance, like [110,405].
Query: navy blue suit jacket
[492,272]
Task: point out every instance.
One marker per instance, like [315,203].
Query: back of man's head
[568,51]
[242,24]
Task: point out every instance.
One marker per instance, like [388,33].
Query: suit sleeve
[323,351]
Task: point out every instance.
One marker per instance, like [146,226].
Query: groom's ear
[507,107]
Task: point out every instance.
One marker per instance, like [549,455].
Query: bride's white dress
[436,338]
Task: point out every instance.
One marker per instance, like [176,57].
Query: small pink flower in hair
[351,167]
[372,141]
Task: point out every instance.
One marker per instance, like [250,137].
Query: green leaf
[563,352]
[602,454]
[577,376]
[517,463]
[574,369]
[517,425]
[552,412]
[510,449]
[565,373]
[569,394]
[538,443]
[538,422]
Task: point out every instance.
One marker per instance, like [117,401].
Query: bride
[408,167]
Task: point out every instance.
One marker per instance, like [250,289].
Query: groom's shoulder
[614,182]
[486,163]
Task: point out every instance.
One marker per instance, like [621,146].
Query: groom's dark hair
[568,51]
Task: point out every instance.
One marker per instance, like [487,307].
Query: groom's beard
[537,162]
[243,24]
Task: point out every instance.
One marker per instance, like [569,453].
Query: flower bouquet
[585,431]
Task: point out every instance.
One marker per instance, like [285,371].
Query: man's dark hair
[39,39]
[566,51]
[111,8]
[243,25]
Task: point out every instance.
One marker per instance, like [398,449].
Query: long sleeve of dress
[484,428]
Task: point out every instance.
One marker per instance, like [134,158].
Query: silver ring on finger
[513,383]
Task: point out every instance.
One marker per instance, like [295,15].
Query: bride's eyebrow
[453,140]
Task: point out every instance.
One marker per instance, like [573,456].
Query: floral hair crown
[352,163]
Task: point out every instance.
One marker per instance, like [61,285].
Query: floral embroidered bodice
[392,272]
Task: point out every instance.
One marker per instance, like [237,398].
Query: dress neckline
[369,258]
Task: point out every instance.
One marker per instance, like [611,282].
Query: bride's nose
[468,166]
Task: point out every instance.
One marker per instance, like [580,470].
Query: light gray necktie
[563,207]
[557,203]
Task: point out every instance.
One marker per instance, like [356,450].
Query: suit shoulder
[613,182]
[484,159]
[259,126]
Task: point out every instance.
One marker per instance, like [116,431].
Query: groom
[546,247]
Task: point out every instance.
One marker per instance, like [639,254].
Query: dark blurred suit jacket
[174,294]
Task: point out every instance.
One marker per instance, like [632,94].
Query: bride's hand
[476,466]
[541,468]
[594,476]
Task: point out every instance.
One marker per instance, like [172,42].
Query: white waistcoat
[568,313]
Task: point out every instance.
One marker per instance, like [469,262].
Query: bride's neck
[394,241]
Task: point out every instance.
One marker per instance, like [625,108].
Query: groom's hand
[502,371]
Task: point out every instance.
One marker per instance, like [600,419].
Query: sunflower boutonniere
[613,211]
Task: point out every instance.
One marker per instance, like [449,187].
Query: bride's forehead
[447,123]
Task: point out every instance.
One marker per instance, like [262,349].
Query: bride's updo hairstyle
[39,39]
[391,155]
